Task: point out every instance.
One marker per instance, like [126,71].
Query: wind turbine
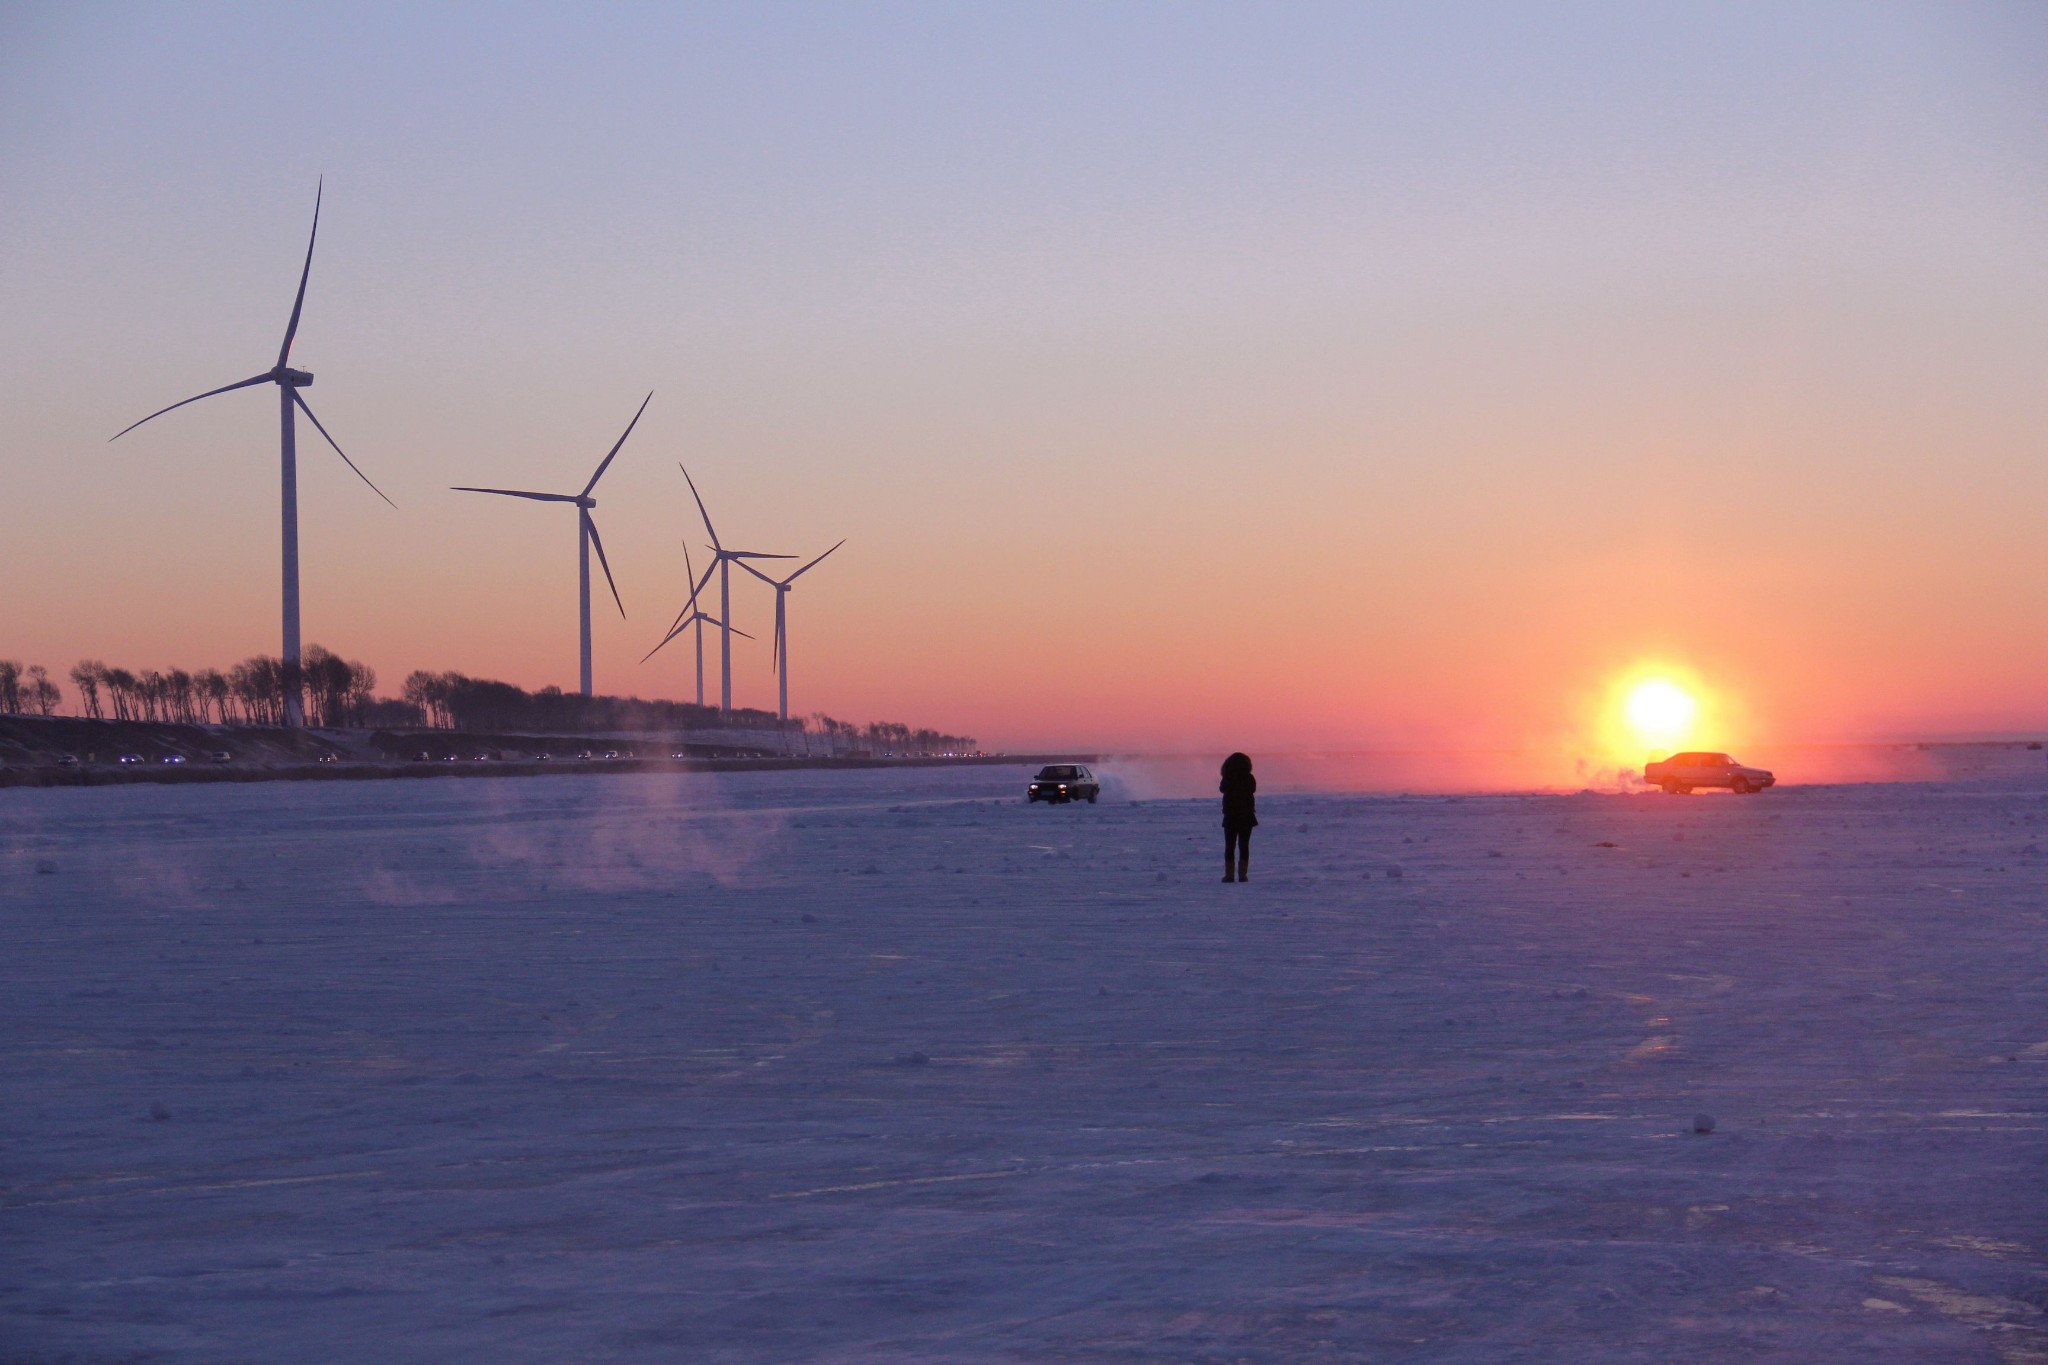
[586,535]
[723,560]
[781,586]
[289,381]
[693,615]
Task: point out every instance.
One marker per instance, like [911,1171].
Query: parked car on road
[1057,782]
[222,756]
[1680,773]
[67,760]
[129,758]
[173,758]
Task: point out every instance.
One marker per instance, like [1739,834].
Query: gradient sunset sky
[1270,376]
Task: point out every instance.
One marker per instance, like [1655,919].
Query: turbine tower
[781,586]
[586,536]
[290,402]
[723,560]
[692,615]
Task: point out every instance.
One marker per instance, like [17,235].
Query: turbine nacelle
[291,378]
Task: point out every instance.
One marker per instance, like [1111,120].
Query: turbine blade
[673,632]
[307,409]
[696,588]
[757,573]
[225,388]
[706,616]
[753,554]
[812,565]
[700,506]
[605,564]
[621,441]
[291,329]
[516,493]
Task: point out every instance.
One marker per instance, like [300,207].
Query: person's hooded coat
[1239,788]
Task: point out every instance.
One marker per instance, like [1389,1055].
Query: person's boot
[1228,874]
[1244,867]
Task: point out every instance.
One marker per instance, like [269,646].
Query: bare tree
[362,691]
[429,692]
[120,684]
[178,696]
[41,693]
[10,686]
[328,680]
[258,685]
[85,676]
[153,690]
[211,687]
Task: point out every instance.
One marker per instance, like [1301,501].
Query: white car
[1680,773]
[1059,783]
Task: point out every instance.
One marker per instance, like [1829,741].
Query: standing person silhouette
[1240,814]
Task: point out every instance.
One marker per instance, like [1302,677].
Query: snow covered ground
[889,1066]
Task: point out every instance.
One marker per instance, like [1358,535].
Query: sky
[1278,376]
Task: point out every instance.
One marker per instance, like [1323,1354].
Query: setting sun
[1661,713]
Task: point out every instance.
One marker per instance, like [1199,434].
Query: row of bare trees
[335,691]
[456,701]
[885,738]
[27,691]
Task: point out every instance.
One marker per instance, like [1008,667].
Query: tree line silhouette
[455,701]
[341,693]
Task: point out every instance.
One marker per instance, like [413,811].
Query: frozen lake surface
[869,1066]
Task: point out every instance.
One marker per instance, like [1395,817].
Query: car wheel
[1670,787]
[1091,797]
[1740,786]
